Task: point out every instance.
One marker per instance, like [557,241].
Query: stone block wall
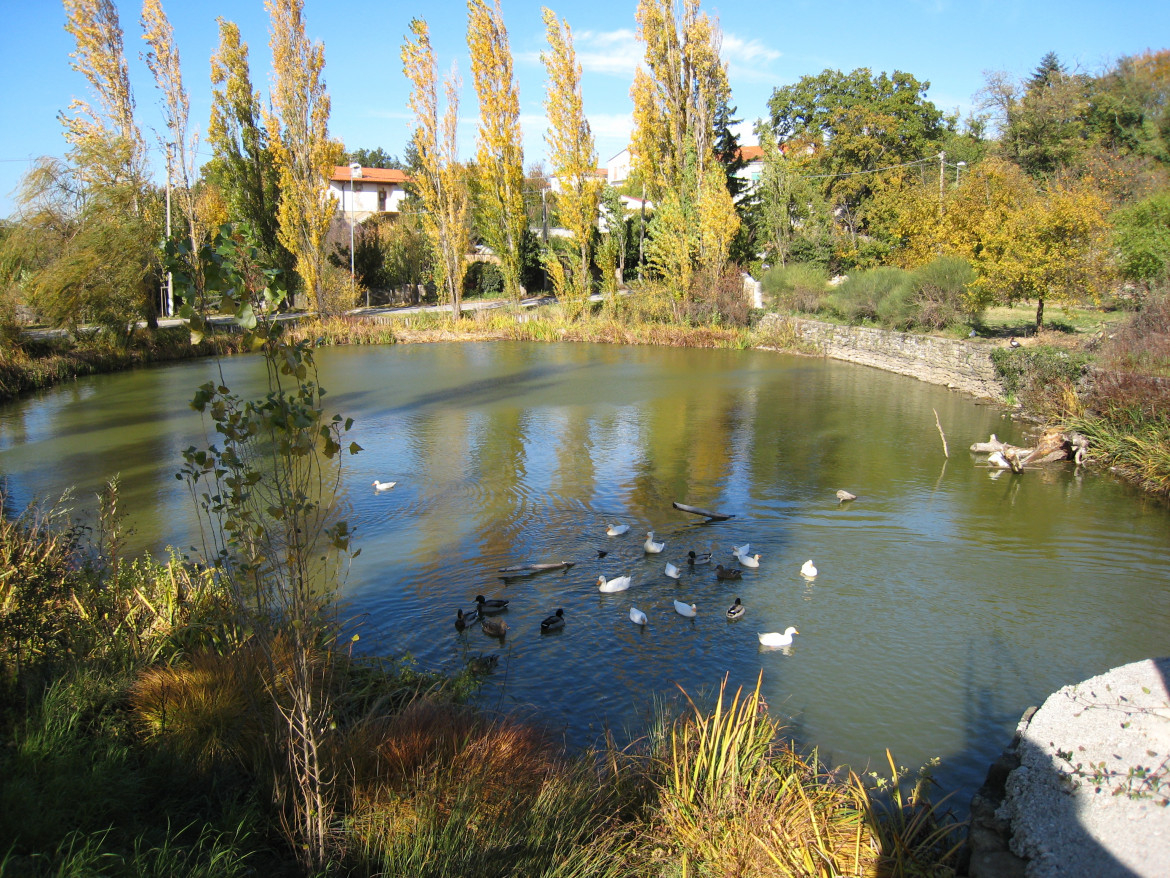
[959,364]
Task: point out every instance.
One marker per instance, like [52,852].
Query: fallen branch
[946,453]
[537,568]
[694,510]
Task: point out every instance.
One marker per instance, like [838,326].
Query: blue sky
[951,44]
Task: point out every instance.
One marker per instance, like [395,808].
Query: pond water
[948,599]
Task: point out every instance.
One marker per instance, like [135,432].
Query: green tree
[856,133]
[499,166]
[243,166]
[374,158]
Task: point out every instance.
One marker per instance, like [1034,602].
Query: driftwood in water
[1052,445]
[530,569]
[694,510]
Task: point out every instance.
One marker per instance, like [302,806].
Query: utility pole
[355,170]
[942,164]
[169,304]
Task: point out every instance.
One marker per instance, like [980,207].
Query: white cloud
[738,50]
[614,53]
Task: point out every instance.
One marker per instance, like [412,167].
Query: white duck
[383,486]
[775,639]
[618,583]
[688,610]
[741,550]
[807,569]
[651,547]
[748,560]
[671,571]
[616,530]
[637,616]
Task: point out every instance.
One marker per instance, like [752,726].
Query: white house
[373,190]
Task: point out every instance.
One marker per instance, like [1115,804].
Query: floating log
[694,510]
[538,568]
[1052,445]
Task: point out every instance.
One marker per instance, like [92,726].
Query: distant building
[374,190]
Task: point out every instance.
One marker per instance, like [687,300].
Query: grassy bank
[136,742]
[28,364]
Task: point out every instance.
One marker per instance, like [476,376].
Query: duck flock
[487,611]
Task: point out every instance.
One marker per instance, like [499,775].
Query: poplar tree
[440,179]
[500,153]
[182,146]
[677,101]
[298,132]
[243,166]
[573,157]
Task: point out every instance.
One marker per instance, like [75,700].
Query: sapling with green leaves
[268,497]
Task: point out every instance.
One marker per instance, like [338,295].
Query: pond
[949,598]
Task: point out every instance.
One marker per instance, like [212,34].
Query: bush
[940,293]
[1141,234]
[797,287]
[860,297]
[1043,378]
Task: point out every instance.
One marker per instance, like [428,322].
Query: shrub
[940,293]
[1043,378]
[860,297]
[1141,234]
[797,287]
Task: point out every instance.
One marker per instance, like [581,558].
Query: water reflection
[947,600]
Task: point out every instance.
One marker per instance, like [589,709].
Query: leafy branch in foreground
[268,500]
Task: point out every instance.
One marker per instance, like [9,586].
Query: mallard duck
[808,569]
[775,639]
[554,622]
[736,610]
[845,496]
[749,560]
[618,583]
[463,620]
[651,547]
[637,616]
[694,557]
[383,486]
[616,530]
[688,610]
[671,571]
[486,607]
[722,572]
[483,664]
[494,627]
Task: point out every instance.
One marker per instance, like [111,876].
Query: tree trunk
[1039,313]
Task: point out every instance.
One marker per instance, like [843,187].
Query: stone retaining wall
[962,365]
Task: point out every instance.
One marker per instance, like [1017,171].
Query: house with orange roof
[363,192]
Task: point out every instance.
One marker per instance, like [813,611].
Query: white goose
[651,547]
[775,639]
[616,530]
[688,610]
[383,486]
[808,570]
[637,616]
[671,571]
[748,560]
[618,583]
